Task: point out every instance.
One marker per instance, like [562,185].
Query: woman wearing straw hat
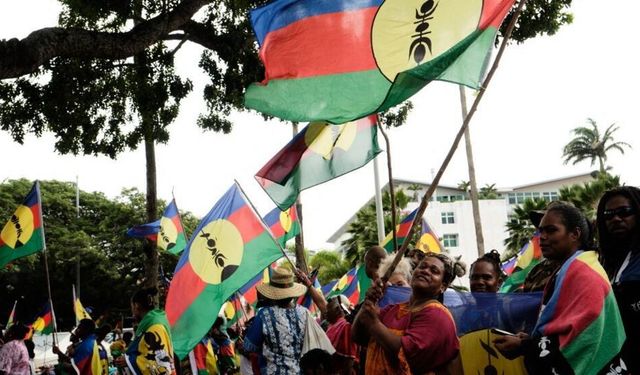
[278,330]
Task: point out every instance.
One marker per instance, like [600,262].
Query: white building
[450,214]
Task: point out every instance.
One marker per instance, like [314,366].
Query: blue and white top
[278,334]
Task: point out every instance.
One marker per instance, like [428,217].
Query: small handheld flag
[319,153]
[78,309]
[12,316]
[23,233]
[284,225]
[44,323]
[171,236]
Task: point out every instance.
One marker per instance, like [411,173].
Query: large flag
[79,310]
[579,327]
[23,233]
[527,258]
[45,322]
[284,225]
[319,153]
[402,232]
[341,60]
[171,237]
[12,316]
[229,247]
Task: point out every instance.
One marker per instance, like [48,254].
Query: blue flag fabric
[511,312]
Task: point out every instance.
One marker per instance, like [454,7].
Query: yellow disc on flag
[168,234]
[216,251]
[480,356]
[408,33]
[285,220]
[323,138]
[19,228]
[428,244]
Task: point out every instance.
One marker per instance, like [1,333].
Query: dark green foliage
[539,17]
[330,265]
[111,263]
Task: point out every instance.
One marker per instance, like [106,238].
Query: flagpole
[46,262]
[264,225]
[378,198]
[454,146]
[299,242]
[392,194]
[77,218]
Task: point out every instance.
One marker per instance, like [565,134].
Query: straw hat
[281,285]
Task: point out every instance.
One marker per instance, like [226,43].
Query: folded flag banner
[78,309]
[23,233]
[171,236]
[428,241]
[402,231]
[86,357]
[317,154]
[284,225]
[148,231]
[229,247]
[341,60]
[44,323]
[527,258]
[579,330]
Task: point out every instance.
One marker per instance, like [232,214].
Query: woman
[151,351]
[346,357]
[14,356]
[619,233]
[278,330]
[401,275]
[578,311]
[486,274]
[418,336]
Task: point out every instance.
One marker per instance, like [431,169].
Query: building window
[447,218]
[519,198]
[450,240]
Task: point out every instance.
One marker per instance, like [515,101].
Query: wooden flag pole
[456,141]
[392,194]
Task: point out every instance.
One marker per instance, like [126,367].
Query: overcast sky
[542,90]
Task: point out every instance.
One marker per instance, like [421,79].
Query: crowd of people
[588,322]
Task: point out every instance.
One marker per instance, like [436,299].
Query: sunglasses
[620,212]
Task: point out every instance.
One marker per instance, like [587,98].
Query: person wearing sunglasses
[619,237]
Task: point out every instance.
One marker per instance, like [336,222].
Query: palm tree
[590,144]
[415,188]
[489,192]
[465,186]
[520,227]
[586,196]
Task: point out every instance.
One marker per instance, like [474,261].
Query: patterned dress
[278,334]
[14,358]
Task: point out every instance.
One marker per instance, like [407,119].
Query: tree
[111,263]
[464,186]
[330,265]
[588,143]
[415,188]
[488,192]
[363,230]
[520,227]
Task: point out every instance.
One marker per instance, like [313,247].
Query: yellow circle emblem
[408,33]
[285,220]
[216,251]
[428,244]
[168,234]
[325,139]
[19,228]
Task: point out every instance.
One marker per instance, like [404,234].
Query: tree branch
[20,57]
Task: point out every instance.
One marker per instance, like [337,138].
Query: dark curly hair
[493,258]
[610,255]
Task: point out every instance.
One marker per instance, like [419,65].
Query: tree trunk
[151,268]
[473,187]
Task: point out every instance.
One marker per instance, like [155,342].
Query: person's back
[283,330]
[14,357]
